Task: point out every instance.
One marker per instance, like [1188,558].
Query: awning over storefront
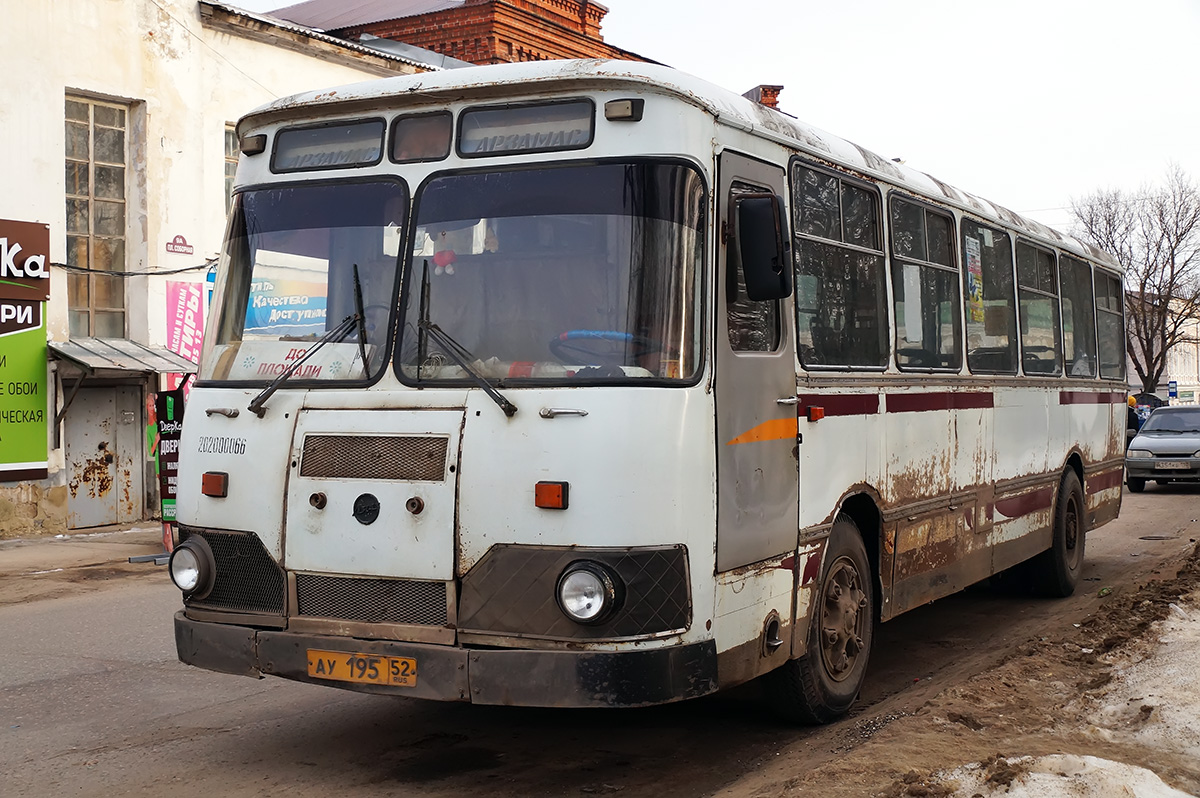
[120,354]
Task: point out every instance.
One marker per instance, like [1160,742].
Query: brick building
[478,31]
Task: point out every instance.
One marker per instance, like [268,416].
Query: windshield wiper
[361,317]
[452,348]
[258,404]
[459,356]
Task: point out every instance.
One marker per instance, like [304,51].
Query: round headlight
[185,569]
[587,592]
[192,567]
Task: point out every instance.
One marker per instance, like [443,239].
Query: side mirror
[762,246]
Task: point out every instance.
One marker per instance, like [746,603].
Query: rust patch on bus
[924,480]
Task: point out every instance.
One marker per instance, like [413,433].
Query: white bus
[588,383]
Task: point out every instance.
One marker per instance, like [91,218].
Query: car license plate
[1170,464]
[343,666]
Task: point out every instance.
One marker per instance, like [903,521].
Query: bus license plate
[343,666]
[1170,464]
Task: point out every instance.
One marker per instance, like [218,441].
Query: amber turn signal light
[551,495]
[215,484]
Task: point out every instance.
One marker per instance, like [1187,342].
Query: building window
[231,158]
[96,155]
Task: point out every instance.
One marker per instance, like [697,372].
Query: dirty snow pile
[1153,701]
[1064,776]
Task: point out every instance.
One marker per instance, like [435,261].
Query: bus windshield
[300,261]
[581,272]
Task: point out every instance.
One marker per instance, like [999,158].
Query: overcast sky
[1029,103]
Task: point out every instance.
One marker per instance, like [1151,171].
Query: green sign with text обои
[23,405]
[24,287]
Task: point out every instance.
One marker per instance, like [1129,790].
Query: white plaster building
[116,132]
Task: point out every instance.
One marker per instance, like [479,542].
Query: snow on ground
[1156,701]
[1065,776]
[1152,701]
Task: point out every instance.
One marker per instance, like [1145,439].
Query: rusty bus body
[791,389]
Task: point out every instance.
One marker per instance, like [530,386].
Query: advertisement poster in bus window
[290,304]
[974,281]
[185,324]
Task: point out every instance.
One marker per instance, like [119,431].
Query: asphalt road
[94,702]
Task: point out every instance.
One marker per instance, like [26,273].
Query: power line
[84,270]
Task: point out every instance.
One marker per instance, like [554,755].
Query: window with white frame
[231,159]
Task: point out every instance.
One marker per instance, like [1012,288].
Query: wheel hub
[843,613]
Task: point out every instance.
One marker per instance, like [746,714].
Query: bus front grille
[406,601]
[247,578]
[417,458]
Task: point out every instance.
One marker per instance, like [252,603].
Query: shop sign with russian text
[24,289]
[24,261]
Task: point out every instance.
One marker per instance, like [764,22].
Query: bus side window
[990,298]
[924,284]
[753,326]
[841,300]
[1037,281]
[1079,318]
[1110,322]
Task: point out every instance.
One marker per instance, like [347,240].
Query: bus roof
[726,106]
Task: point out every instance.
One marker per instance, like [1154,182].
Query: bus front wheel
[821,685]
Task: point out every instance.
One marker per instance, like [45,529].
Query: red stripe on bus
[854,404]
[1104,480]
[1026,503]
[1091,397]
[920,402]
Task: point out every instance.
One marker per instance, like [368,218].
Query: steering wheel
[599,347]
[372,314]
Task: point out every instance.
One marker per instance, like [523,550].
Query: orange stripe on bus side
[775,430]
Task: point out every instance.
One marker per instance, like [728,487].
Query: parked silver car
[1166,449]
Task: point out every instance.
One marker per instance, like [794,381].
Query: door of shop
[104,457]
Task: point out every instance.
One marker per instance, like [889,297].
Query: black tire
[1056,571]
[1136,484]
[821,686]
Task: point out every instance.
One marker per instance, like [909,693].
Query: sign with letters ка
[24,289]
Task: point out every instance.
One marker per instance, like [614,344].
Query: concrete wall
[185,79]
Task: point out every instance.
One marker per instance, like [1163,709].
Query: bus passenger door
[757,454]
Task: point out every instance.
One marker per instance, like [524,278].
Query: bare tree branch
[1155,236]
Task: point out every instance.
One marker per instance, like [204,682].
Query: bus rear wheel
[821,685]
[1056,572]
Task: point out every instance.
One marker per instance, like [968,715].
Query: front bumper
[1144,468]
[513,677]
